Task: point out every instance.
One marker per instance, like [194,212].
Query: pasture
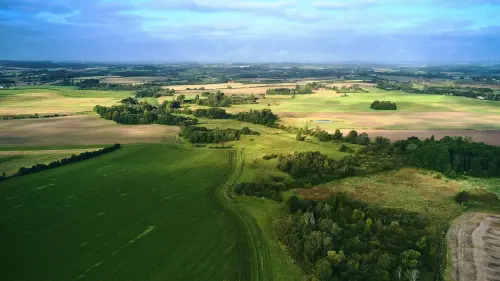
[12,160]
[144,212]
[80,130]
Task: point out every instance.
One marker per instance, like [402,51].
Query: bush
[269,157]
[383,105]
[462,197]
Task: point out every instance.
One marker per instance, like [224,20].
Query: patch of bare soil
[474,246]
[81,129]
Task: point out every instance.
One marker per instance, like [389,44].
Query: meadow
[142,212]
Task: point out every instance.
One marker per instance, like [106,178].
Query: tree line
[196,134]
[219,99]
[64,161]
[469,92]
[298,90]
[343,239]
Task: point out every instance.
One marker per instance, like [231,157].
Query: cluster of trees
[324,136]
[343,239]
[267,190]
[451,156]
[298,90]
[214,99]
[74,158]
[132,113]
[154,91]
[204,135]
[212,113]
[383,105]
[469,92]
[316,167]
[263,117]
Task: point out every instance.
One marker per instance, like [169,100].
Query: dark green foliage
[469,92]
[204,135]
[344,239]
[299,90]
[263,117]
[74,158]
[337,136]
[462,197]
[267,190]
[212,113]
[451,156]
[317,167]
[299,137]
[383,105]
[217,99]
[352,137]
[142,113]
[363,139]
[344,148]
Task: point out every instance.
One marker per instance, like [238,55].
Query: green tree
[363,139]
[352,136]
[324,270]
[409,258]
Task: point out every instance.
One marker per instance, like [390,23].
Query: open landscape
[246,171]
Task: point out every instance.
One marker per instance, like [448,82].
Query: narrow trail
[253,254]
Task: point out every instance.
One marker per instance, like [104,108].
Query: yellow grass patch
[49,103]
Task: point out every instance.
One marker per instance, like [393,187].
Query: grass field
[11,161]
[50,100]
[143,212]
[406,189]
[80,130]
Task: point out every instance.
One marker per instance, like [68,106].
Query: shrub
[462,197]
[383,105]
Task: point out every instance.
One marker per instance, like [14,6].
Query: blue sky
[251,31]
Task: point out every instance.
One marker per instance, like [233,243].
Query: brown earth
[82,129]
[474,247]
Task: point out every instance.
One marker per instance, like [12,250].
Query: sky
[251,31]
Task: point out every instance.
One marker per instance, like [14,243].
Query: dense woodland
[342,239]
[469,92]
[219,99]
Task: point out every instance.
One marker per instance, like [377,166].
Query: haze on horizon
[251,31]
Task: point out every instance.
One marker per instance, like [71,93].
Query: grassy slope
[138,213]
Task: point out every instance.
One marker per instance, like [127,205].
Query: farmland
[123,210]
[167,207]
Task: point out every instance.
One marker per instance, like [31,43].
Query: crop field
[51,100]
[12,160]
[144,212]
[80,130]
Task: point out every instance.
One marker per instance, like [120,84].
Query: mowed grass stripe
[140,213]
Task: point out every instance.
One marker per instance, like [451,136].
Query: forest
[343,239]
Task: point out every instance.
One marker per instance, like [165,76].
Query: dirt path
[474,247]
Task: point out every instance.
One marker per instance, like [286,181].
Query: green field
[142,212]
[11,161]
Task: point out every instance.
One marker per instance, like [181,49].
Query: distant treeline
[469,92]
[204,135]
[298,90]
[74,158]
[34,116]
[383,105]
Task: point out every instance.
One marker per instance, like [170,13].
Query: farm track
[253,253]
